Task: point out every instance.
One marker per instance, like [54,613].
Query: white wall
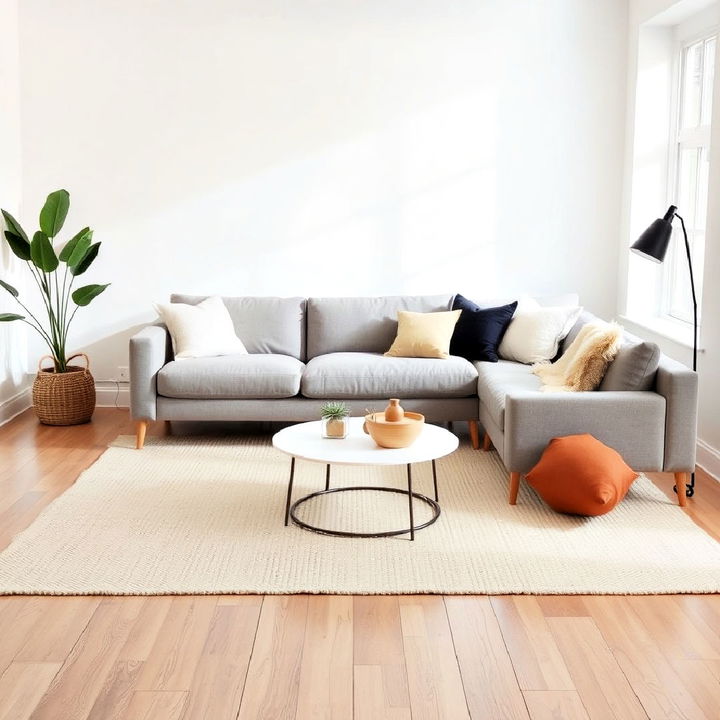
[268,147]
[13,380]
[653,19]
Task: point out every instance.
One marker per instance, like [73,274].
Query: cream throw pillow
[535,332]
[202,330]
[583,365]
[424,335]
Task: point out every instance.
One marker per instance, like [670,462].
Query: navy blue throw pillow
[479,331]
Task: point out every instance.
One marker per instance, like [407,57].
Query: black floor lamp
[653,245]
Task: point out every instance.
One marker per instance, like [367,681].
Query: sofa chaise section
[653,429]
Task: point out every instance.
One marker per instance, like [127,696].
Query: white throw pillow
[535,332]
[202,330]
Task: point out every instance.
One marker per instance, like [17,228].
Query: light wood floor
[341,657]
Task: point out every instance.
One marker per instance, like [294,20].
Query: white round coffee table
[304,441]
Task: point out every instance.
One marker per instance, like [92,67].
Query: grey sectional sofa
[305,351]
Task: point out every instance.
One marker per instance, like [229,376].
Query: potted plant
[65,393]
[334,419]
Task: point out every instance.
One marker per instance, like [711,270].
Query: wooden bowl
[394,434]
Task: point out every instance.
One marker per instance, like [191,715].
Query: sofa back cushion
[362,324]
[264,324]
[634,367]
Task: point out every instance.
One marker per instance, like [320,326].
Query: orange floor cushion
[578,474]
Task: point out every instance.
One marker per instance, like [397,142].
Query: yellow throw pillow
[424,335]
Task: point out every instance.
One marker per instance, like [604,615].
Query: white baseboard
[111,394]
[708,458]
[14,405]
[108,394]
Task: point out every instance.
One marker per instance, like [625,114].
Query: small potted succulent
[334,419]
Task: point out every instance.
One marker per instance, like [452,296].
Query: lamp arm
[692,288]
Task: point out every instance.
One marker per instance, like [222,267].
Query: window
[689,173]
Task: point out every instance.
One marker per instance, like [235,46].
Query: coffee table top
[305,441]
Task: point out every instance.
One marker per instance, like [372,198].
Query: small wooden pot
[65,398]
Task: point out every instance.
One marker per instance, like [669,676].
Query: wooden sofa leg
[487,442]
[474,433]
[680,479]
[141,429]
[514,487]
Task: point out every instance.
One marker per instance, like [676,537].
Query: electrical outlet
[123,373]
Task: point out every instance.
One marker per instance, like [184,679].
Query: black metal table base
[346,533]
[290,509]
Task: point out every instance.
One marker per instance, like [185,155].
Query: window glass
[700,215]
[690,189]
[708,78]
[692,85]
[687,183]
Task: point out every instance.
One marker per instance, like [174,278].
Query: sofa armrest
[149,351]
[679,386]
[633,423]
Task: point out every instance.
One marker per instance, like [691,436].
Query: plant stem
[58,310]
[59,354]
[42,333]
[66,323]
[39,327]
[71,317]
[63,314]
[47,289]
[41,281]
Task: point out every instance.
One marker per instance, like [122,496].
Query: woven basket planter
[66,398]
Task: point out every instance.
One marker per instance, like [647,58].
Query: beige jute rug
[205,515]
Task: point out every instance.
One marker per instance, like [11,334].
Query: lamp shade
[653,243]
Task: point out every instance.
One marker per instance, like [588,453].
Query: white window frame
[682,139]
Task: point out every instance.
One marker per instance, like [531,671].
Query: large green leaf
[42,253]
[80,250]
[9,317]
[71,244]
[86,262]
[18,245]
[9,288]
[84,295]
[54,212]
[14,226]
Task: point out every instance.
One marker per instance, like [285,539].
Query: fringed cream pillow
[583,365]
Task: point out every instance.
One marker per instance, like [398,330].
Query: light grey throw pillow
[633,368]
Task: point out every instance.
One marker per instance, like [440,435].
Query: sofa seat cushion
[495,380]
[231,377]
[371,375]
